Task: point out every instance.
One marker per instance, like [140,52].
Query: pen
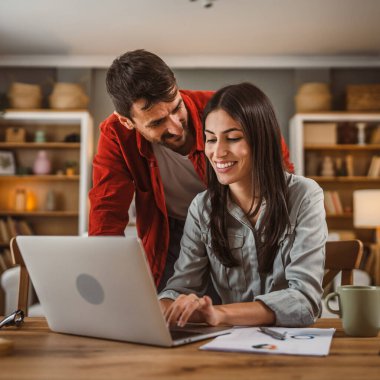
[274,334]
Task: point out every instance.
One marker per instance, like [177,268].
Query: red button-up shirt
[125,165]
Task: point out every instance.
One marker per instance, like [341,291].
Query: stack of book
[333,203]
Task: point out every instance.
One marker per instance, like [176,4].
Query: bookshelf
[70,212]
[329,136]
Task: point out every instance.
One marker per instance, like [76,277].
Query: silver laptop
[101,287]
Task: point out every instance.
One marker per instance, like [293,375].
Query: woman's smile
[224,166]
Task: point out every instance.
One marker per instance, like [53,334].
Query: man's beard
[169,140]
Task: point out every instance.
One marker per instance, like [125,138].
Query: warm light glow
[367,208]
[31,201]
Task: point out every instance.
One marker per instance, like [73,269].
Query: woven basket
[363,97]
[68,96]
[24,95]
[312,97]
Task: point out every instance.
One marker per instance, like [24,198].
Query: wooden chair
[342,256]
[23,290]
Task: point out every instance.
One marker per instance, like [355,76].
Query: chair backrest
[342,256]
[23,289]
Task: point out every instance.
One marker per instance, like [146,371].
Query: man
[151,147]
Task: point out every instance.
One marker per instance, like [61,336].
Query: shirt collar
[194,122]
[235,211]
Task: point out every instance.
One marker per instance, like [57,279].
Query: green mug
[359,308]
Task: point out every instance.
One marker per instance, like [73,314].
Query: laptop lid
[100,287]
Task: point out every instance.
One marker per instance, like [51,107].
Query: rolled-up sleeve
[191,270]
[300,303]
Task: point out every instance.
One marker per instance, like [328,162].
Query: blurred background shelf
[345,179]
[33,145]
[58,214]
[316,136]
[35,177]
[343,147]
[70,215]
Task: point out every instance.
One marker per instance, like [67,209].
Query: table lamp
[367,210]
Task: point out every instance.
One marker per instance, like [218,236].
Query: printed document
[298,341]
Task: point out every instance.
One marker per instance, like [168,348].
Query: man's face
[165,123]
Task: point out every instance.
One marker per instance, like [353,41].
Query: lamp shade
[367,208]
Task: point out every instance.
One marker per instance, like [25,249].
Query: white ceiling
[183,31]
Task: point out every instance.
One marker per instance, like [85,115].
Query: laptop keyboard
[182,334]
[191,330]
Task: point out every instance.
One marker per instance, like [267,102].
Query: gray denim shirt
[293,290]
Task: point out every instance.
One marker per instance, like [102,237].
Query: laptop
[102,287]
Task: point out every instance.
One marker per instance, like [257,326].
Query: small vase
[42,164]
[40,137]
[50,201]
[20,200]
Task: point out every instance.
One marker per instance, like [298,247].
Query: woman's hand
[190,308]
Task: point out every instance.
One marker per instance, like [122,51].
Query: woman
[259,230]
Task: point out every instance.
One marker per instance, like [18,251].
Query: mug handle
[327,300]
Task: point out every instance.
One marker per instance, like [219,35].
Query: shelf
[344,147]
[347,215]
[33,145]
[47,115]
[362,179]
[339,116]
[59,214]
[72,191]
[310,155]
[34,177]
[10,111]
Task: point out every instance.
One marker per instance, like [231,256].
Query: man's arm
[113,188]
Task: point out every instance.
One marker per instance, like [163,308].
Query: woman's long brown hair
[253,111]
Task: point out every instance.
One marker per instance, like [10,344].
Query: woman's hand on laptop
[190,308]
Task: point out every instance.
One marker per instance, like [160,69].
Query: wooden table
[41,354]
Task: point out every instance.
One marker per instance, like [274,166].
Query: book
[337,202]
[3,264]
[11,227]
[375,137]
[4,234]
[371,167]
[329,203]
[24,228]
[374,167]
[350,165]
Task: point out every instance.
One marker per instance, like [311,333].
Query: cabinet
[308,158]
[70,212]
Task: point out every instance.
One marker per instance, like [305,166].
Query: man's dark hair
[136,75]
[251,108]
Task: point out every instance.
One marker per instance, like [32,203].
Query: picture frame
[7,163]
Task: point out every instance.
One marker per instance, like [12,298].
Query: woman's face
[227,149]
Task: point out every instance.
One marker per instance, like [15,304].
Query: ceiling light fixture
[205,3]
